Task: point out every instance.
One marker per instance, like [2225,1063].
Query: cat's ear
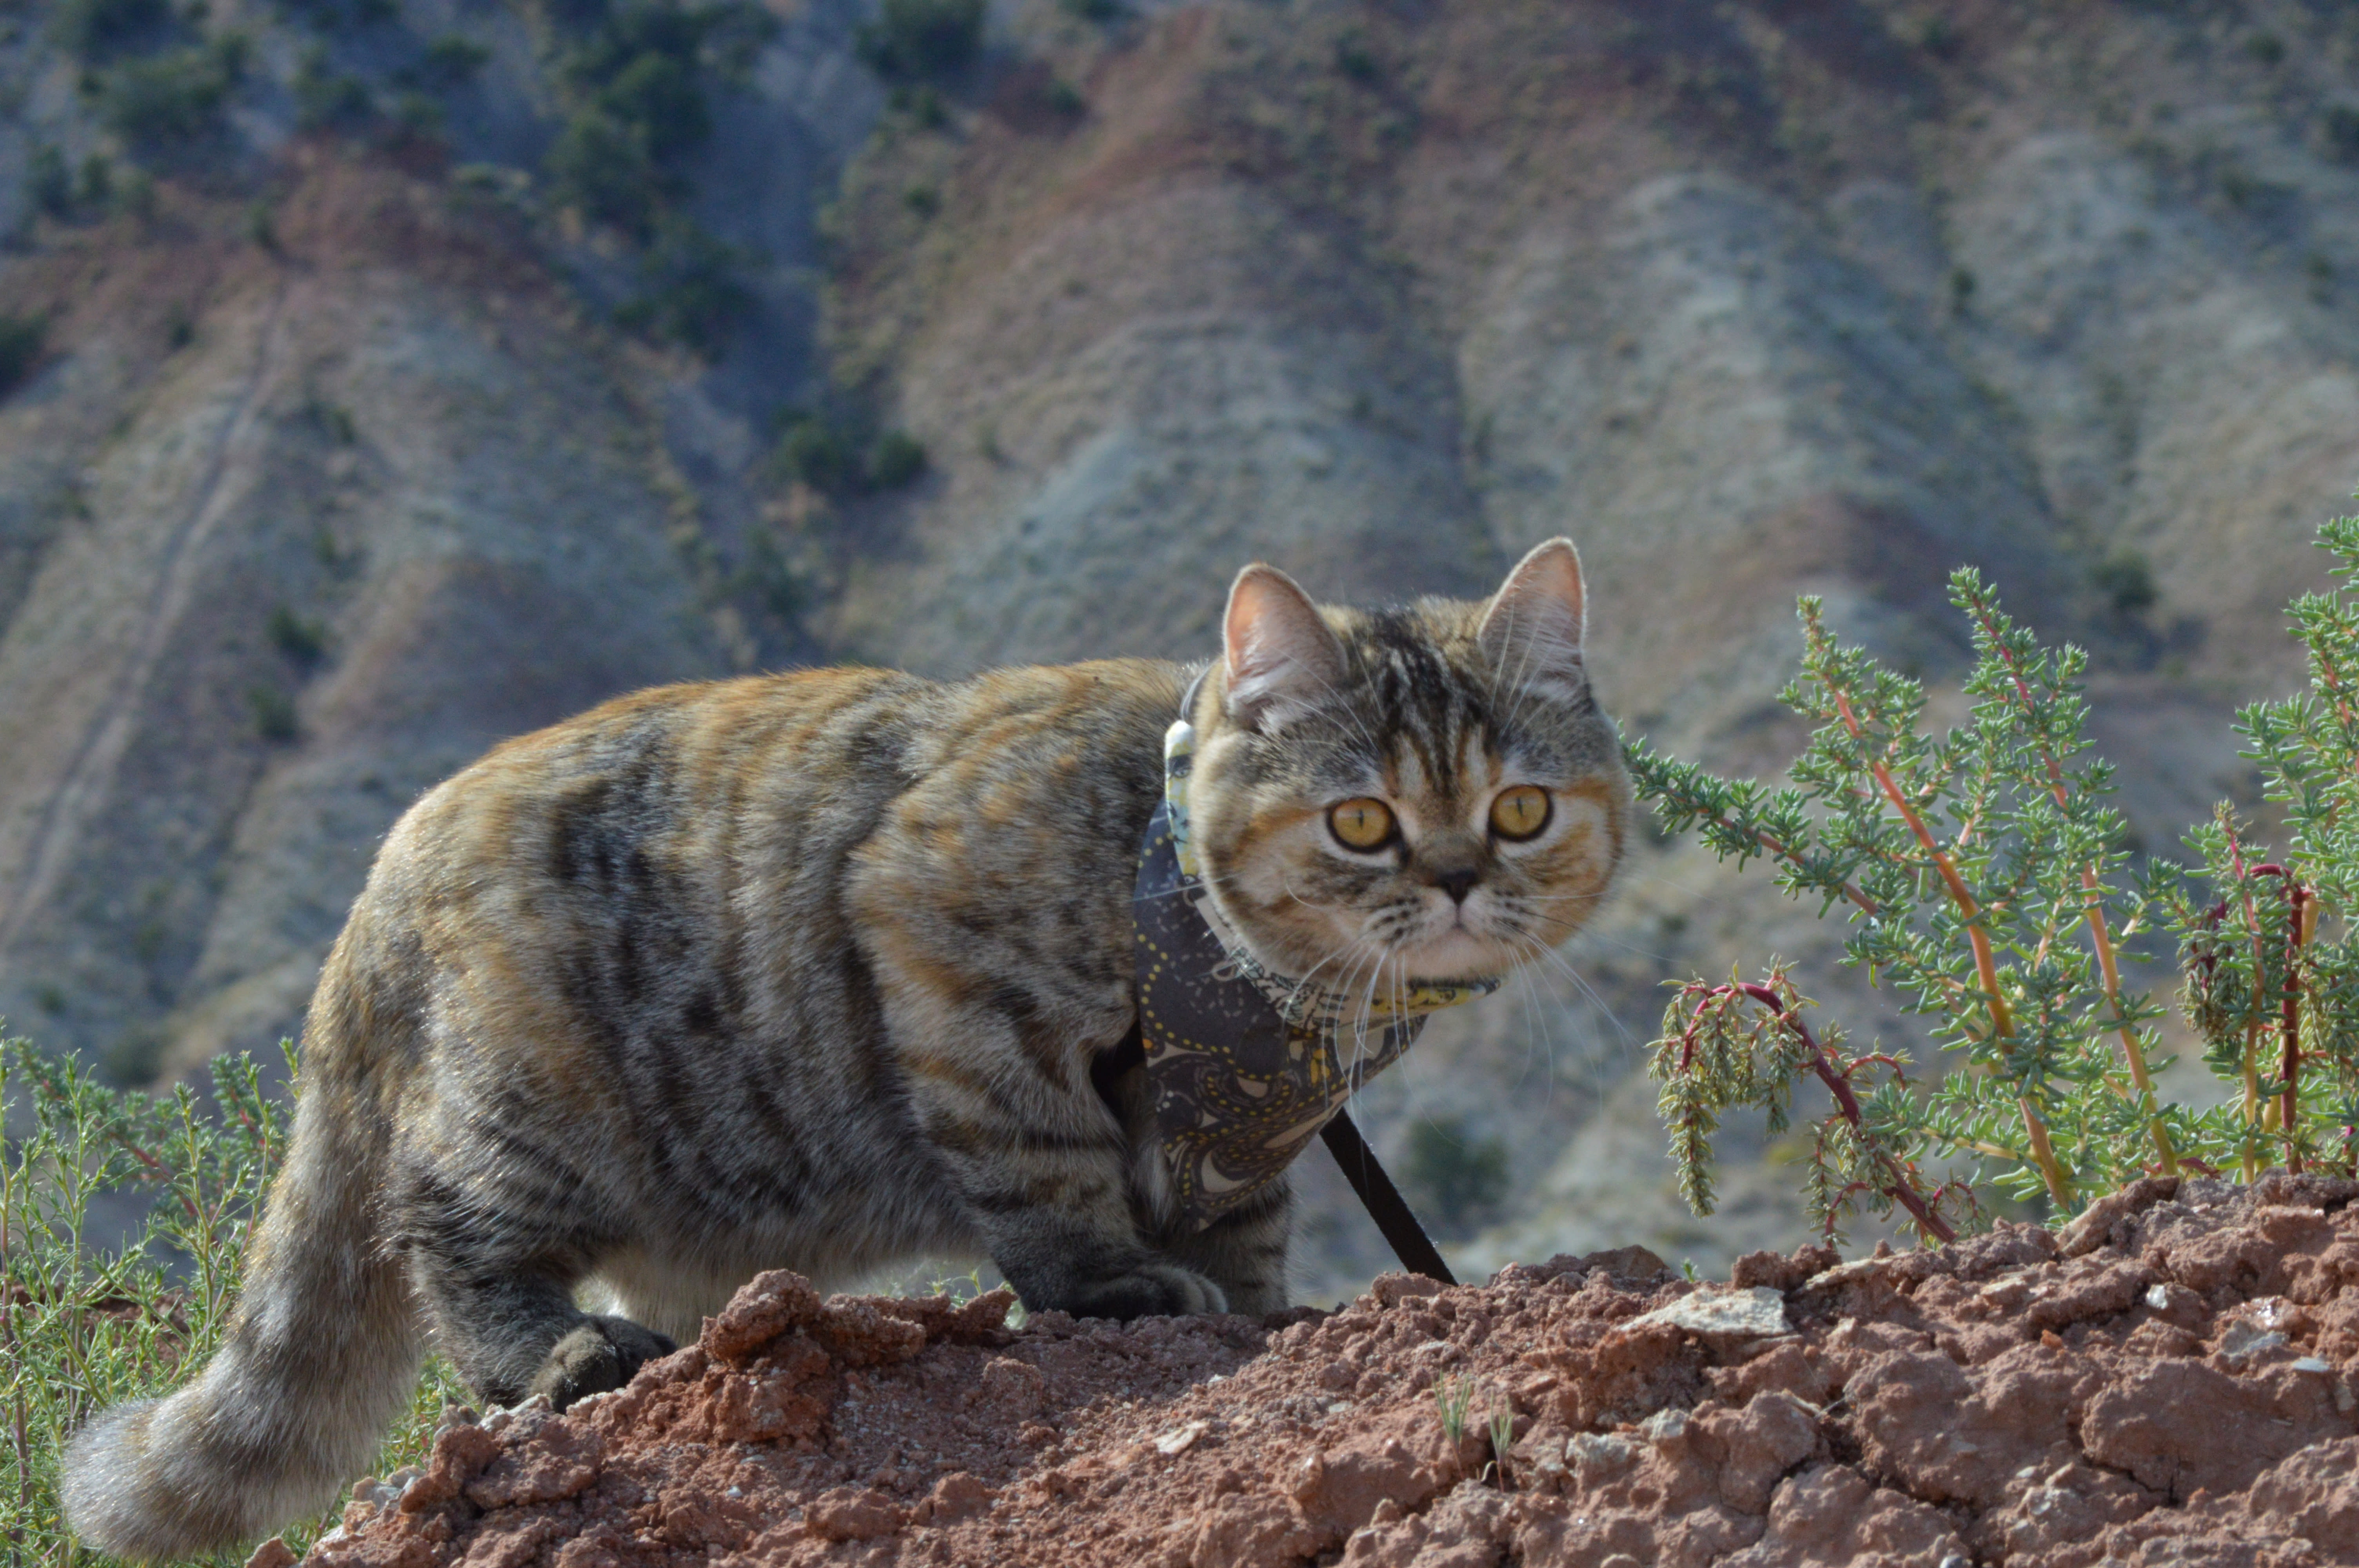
[1282,659]
[1533,629]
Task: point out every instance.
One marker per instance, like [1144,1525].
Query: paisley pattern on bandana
[1244,1065]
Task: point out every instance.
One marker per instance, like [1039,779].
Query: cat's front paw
[1151,1290]
[602,1353]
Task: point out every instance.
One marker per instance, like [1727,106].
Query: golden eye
[1361,824]
[1520,813]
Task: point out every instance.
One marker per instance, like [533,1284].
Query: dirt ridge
[2170,1380]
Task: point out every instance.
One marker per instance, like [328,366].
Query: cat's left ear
[1282,659]
[1532,632]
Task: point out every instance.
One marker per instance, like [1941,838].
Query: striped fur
[811,971]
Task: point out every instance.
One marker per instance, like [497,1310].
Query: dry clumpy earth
[2170,1379]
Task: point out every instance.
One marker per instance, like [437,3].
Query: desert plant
[897,459]
[922,36]
[274,714]
[84,1323]
[1985,877]
[172,98]
[91,28]
[20,347]
[691,288]
[1452,1394]
[446,63]
[1458,1177]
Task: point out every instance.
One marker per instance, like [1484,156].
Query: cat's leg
[495,1273]
[1039,1160]
[1244,1251]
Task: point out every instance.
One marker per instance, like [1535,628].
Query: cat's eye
[1361,824]
[1520,812]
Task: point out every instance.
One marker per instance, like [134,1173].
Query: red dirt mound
[2169,1381]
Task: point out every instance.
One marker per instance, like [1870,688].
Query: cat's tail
[322,1350]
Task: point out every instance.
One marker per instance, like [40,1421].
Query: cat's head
[1428,792]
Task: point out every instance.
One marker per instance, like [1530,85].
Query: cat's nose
[1457,881]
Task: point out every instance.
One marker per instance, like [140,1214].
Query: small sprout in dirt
[1453,1393]
[1502,1438]
[1688,1269]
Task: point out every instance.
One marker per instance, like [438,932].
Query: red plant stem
[1846,1102]
[2298,916]
[2002,1017]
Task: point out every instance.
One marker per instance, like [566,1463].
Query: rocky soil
[2168,1380]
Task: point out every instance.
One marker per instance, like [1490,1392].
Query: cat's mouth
[1455,951]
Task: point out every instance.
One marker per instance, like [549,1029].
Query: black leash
[1384,1205]
[1391,1212]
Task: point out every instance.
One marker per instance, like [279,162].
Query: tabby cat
[811,971]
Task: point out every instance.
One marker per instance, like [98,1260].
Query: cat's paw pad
[602,1353]
[1151,1290]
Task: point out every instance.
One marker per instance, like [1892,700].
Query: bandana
[1242,1064]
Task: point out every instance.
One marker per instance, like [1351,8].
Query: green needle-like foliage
[83,1323]
[1986,882]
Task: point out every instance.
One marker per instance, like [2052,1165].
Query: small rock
[1179,1439]
[271,1553]
[1665,1426]
[1722,1318]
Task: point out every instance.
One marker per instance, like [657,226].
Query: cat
[811,971]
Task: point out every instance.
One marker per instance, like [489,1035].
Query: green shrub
[816,452]
[897,459]
[20,347]
[658,94]
[173,98]
[303,641]
[274,714]
[1459,1178]
[632,77]
[447,63]
[49,183]
[2338,127]
[1989,891]
[91,28]
[2126,578]
[691,290]
[922,104]
[95,185]
[920,37]
[83,1323]
[328,99]
[601,166]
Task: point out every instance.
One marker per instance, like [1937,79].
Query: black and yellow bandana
[1243,1064]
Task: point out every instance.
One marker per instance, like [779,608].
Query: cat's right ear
[1283,660]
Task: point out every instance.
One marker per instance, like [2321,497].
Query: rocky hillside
[412,373]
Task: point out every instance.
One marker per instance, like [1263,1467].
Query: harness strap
[1383,1201]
